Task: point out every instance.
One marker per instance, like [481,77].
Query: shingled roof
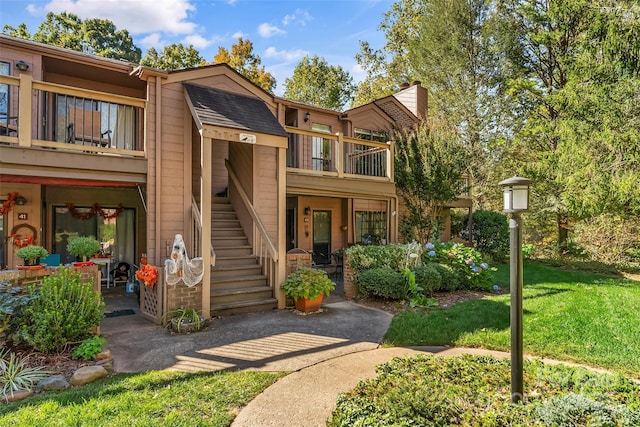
[221,108]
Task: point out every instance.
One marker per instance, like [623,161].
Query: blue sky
[282,32]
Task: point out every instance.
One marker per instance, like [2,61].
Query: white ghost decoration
[180,268]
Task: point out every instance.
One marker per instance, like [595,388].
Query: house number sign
[22,216]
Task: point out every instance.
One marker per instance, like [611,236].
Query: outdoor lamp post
[516,200]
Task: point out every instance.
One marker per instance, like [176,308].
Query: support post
[515,236]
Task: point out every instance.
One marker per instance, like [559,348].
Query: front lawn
[157,398]
[568,315]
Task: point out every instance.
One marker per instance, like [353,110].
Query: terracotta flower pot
[307,305]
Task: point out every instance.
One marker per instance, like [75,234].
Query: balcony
[322,154]
[47,115]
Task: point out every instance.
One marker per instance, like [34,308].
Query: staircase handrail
[254,215]
[197,222]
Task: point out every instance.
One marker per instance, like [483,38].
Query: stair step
[221,207]
[231,251]
[222,242]
[243,307]
[227,232]
[225,223]
[235,260]
[235,271]
[219,200]
[223,296]
[238,282]
[223,215]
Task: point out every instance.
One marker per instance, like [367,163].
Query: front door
[322,237]
[291,229]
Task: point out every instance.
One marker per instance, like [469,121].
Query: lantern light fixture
[516,194]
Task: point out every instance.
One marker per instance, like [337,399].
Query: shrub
[12,300]
[528,250]
[66,310]
[449,278]
[467,263]
[31,252]
[307,283]
[16,374]
[382,283]
[428,277]
[89,348]
[490,234]
[365,257]
[575,409]
[83,247]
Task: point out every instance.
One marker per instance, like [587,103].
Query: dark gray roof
[221,108]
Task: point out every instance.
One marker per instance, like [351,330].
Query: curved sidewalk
[307,397]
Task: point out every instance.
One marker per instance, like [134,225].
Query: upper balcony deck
[38,114]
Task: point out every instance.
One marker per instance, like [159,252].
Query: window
[115,232]
[370,135]
[321,149]
[371,227]
[4,99]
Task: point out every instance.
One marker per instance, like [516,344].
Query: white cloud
[238,34]
[153,40]
[300,17]
[139,16]
[287,55]
[200,42]
[268,30]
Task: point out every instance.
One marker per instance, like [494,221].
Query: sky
[282,32]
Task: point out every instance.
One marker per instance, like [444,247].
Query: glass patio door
[322,237]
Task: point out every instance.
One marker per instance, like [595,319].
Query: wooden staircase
[237,283]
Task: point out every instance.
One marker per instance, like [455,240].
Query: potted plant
[307,286]
[185,320]
[31,254]
[83,247]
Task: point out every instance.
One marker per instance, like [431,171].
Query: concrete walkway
[327,353]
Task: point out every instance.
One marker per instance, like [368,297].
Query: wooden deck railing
[42,114]
[326,154]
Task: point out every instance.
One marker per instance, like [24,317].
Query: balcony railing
[325,154]
[41,114]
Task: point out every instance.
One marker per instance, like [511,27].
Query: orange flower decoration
[148,275]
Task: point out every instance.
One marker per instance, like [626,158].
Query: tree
[575,84]
[428,166]
[243,60]
[389,66]
[22,31]
[98,36]
[316,82]
[450,50]
[173,57]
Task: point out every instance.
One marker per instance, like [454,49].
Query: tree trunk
[563,232]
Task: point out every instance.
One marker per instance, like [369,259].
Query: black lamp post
[516,200]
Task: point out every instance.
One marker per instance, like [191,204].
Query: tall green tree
[428,166]
[389,66]
[451,51]
[98,36]
[575,84]
[316,82]
[176,56]
[242,59]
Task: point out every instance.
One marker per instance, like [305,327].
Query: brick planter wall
[24,278]
[296,261]
[181,296]
[350,285]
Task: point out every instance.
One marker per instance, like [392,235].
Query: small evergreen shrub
[89,348]
[371,256]
[65,310]
[428,277]
[449,278]
[382,283]
[12,301]
[472,272]
[490,234]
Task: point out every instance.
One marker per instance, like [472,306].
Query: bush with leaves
[490,234]
[470,269]
[383,283]
[362,257]
[16,374]
[89,348]
[66,310]
[12,300]
[428,277]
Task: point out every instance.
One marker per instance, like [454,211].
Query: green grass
[567,315]
[476,391]
[157,398]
